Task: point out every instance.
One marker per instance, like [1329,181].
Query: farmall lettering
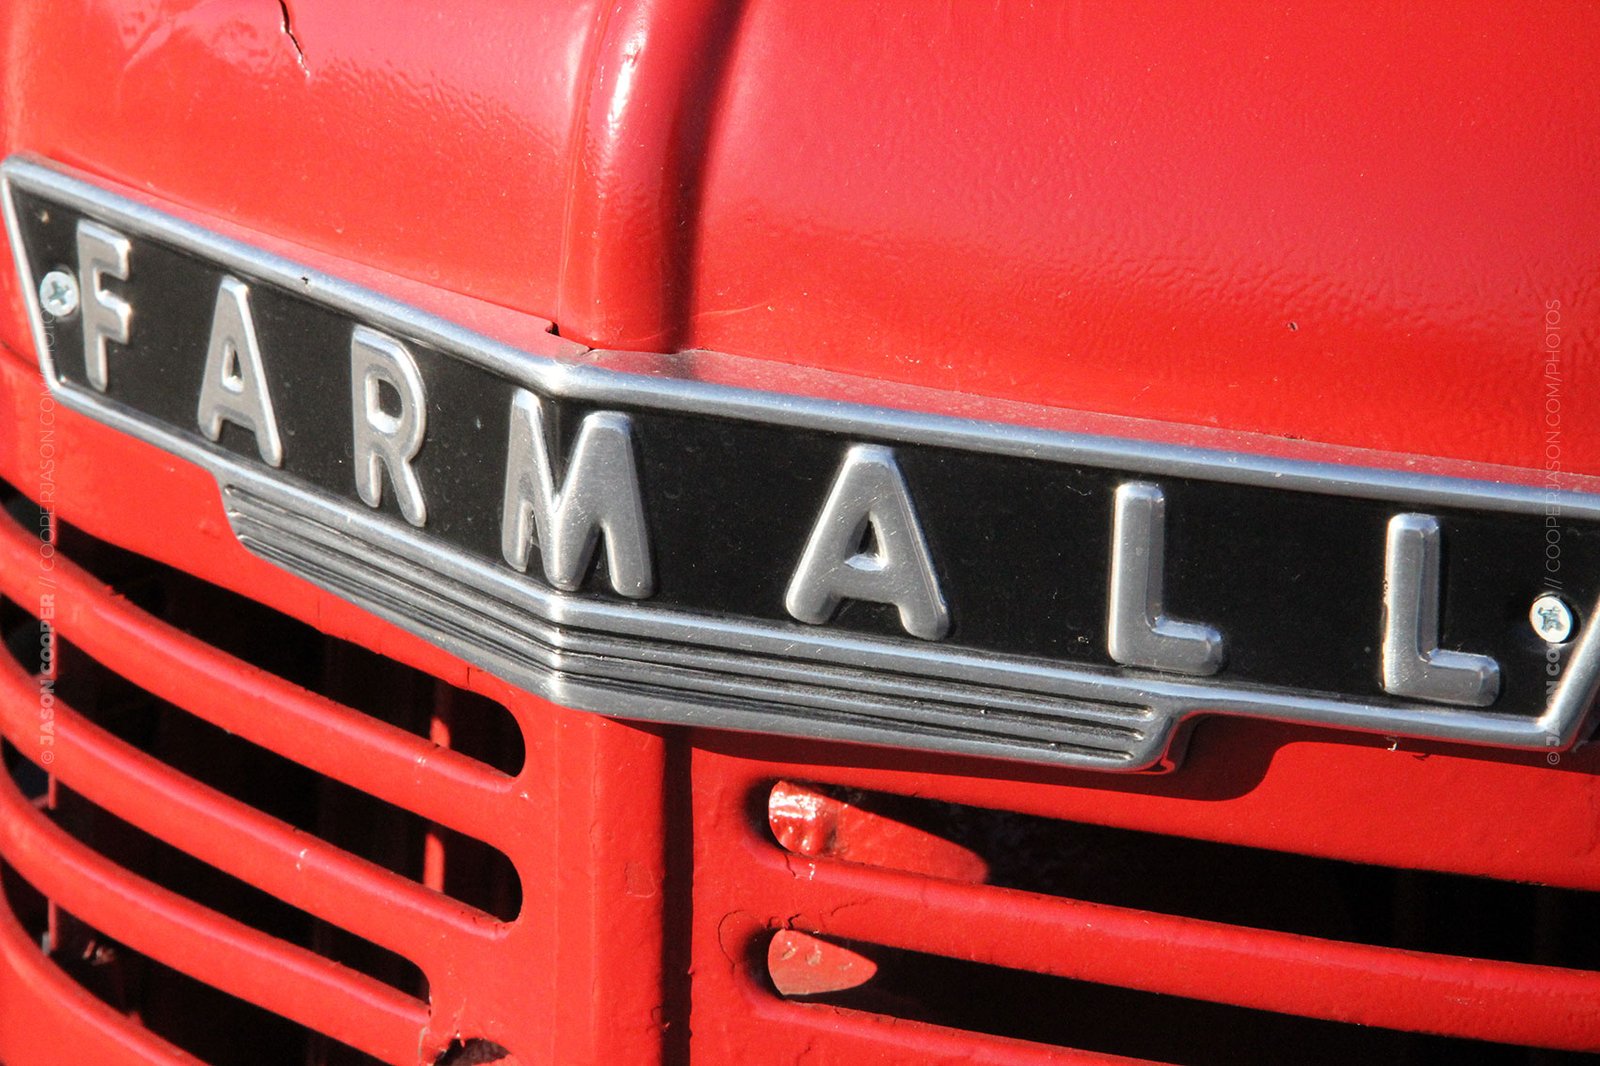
[866,542]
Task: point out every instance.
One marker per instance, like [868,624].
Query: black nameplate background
[1293,579]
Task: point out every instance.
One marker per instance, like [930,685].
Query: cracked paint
[288,31]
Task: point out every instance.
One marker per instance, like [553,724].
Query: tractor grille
[1325,939]
[256,843]
[251,838]
[908,928]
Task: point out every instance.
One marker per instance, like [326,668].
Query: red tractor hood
[1267,220]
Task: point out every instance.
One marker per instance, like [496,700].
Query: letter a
[235,385]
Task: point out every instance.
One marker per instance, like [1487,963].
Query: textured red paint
[802,965]
[810,823]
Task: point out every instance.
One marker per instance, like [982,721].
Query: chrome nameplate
[657,548]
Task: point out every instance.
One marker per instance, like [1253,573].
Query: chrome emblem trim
[611,646]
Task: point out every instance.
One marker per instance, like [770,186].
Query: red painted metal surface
[592,881]
[301,869]
[42,1006]
[210,947]
[1120,209]
[811,823]
[316,732]
[1517,1004]
[803,965]
[1321,226]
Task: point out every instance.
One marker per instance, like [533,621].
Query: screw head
[1552,619]
[58,293]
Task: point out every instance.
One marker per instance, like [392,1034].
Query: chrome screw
[1552,619]
[58,293]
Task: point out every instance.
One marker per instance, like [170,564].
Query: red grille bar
[585,869]
[791,1031]
[210,947]
[456,945]
[1504,1002]
[1511,1003]
[318,733]
[53,1003]
[307,872]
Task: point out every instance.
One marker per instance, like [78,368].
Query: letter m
[600,496]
